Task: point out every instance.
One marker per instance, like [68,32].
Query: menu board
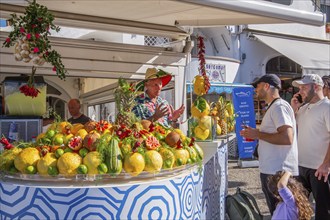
[244,109]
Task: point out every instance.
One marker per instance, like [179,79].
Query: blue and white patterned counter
[191,194]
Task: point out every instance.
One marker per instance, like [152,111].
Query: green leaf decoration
[200,103]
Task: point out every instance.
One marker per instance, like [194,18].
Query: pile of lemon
[52,154]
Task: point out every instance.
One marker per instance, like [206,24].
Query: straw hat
[153,73]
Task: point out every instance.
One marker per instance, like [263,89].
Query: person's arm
[324,168]
[284,191]
[283,136]
[283,182]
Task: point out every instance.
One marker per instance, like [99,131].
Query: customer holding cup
[277,135]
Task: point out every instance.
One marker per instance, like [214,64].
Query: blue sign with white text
[244,109]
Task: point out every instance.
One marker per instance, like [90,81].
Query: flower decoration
[102,125]
[30,38]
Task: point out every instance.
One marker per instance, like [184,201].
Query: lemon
[181,156]
[48,160]
[134,164]
[199,85]
[82,133]
[195,112]
[154,161]
[7,158]
[201,133]
[168,158]
[68,163]
[205,122]
[75,128]
[92,160]
[27,157]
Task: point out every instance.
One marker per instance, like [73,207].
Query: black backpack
[242,205]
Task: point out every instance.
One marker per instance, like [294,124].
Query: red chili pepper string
[201,58]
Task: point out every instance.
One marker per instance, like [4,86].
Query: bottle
[13,132]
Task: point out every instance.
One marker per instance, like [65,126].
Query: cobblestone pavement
[248,180]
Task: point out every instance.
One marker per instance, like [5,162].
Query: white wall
[293,28]
[224,44]
[257,55]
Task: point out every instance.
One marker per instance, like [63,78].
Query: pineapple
[221,107]
[125,96]
[223,126]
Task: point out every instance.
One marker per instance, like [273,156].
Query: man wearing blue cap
[277,135]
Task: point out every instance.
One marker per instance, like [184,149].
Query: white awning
[310,54]
[162,17]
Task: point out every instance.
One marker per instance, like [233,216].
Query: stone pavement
[248,180]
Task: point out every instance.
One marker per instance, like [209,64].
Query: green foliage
[34,26]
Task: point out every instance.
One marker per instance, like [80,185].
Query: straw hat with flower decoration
[153,73]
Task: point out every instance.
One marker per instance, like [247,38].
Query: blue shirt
[287,209]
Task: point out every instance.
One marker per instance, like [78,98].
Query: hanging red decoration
[201,58]
[201,81]
[29,88]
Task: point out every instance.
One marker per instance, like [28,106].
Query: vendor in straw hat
[150,105]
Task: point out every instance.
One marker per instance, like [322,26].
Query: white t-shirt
[313,133]
[273,157]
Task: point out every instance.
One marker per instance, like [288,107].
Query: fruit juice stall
[130,169]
